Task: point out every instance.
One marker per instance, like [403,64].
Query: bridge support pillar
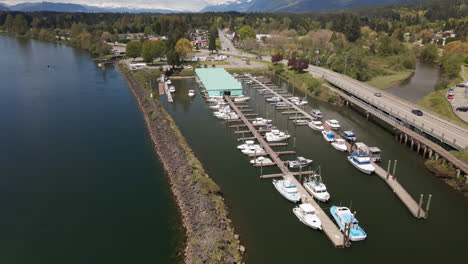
[412,144]
[406,139]
[424,153]
[436,156]
[430,153]
[401,137]
[419,147]
[458,173]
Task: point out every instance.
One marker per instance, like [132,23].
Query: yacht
[281,104]
[250,82]
[227,116]
[373,152]
[254,150]
[217,106]
[241,98]
[246,144]
[261,161]
[261,121]
[333,124]
[316,188]
[306,214]
[300,102]
[343,215]
[362,162]
[340,144]
[316,125]
[348,135]
[275,99]
[288,190]
[316,113]
[276,135]
[191,93]
[328,136]
[293,99]
[169,82]
[300,162]
[172,88]
[301,122]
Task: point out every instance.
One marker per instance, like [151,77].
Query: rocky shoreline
[210,237]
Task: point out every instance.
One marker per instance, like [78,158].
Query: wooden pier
[329,228]
[168,93]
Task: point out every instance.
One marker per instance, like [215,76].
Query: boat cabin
[373,152]
[360,158]
[307,208]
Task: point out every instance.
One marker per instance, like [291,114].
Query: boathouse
[218,81]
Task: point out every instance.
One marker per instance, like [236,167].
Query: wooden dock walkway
[329,228]
[161,88]
[169,95]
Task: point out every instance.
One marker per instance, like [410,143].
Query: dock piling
[421,197]
[388,168]
[428,205]
[394,170]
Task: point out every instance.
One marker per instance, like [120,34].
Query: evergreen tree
[133,49]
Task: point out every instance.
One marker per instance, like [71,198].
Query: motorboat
[300,162]
[307,215]
[342,216]
[263,91]
[316,125]
[373,152]
[218,106]
[316,113]
[301,122]
[273,99]
[241,98]
[287,190]
[254,150]
[227,116]
[294,98]
[191,93]
[214,99]
[328,136]
[169,82]
[261,161]
[340,144]
[172,88]
[261,121]
[316,188]
[300,102]
[348,135]
[362,162]
[246,144]
[281,104]
[276,135]
[250,82]
[333,124]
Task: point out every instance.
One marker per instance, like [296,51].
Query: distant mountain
[66,7]
[296,5]
[3,7]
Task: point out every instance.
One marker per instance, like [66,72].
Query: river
[264,220]
[79,182]
[420,84]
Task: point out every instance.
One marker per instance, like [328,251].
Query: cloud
[181,5]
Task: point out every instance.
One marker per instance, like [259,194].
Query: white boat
[340,144]
[254,150]
[343,215]
[300,162]
[300,102]
[306,214]
[218,105]
[316,113]
[373,152]
[247,144]
[191,93]
[328,136]
[172,88]
[168,82]
[301,122]
[362,162]
[281,104]
[261,161]
[276,135]
[349,135]
[316,125]
[275,99]
[261,121]
[241,98]
[227,116]
[287,190]
[294,98]
[333,124]
[316,188]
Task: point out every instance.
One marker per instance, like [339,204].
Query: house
[200,43]
[235,38]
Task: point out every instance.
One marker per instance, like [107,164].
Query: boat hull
[315,195]
[360,168]
[316,226]
[291,198]
[356,234]
[339,147]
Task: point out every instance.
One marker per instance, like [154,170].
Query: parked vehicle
[378,94]
[462,109]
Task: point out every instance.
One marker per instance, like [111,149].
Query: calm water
[265,222]
[419,85]
[78,179]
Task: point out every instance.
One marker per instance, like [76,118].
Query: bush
[278,68]
[429,52]
[313,85]
[409,63]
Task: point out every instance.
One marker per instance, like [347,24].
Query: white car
[189,67]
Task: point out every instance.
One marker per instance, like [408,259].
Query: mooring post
[300,173]
[388,168]
[428,205]
[394,170]
[261,167]
[243,136]
[421,197]
[294,142]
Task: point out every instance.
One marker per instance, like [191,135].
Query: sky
[182,5]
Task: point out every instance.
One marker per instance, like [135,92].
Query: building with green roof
[218,81]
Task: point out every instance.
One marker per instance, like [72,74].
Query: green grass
[199,64]
[466,72]
[437,103]
[462,155]
[388,81]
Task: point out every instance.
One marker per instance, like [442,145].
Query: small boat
[301,122]
[306,214]
[316,113]
[333,124]
[217,106]
[254,150]
[300,102]
[273,99]
[294,98]
[328,136]
[261,121]
[191,93]
[288,190]
[343,215]
[316,125]
[348,135]
[281,104]
[276,135]
[362,162]
[241,98]
[247,144]
[172,88]
[263,91]
[227,116]
[300,162]
[168,82]
[250,82]
[316,188]
[261,161]
[340,144]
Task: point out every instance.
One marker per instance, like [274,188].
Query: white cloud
[182,5]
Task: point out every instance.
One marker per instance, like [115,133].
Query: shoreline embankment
[210,237]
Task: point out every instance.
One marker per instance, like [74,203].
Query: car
[378,94]
[244,59]
[450,96]
[462,109]
[417,112]
[189,67]
[461,85]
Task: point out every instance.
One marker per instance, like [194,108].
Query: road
[227,44]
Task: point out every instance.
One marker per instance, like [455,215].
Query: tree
[276,58]
[148,31]
[466,60]
[148,51]
[20,25]
[247,32]
[8,23]
[133,49]
[173,58]
[183,47]
[385,46]
[298,64]
[430,52]
[212,43]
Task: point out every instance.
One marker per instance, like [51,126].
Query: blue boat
[349,135]
[328,136]
[343,215]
